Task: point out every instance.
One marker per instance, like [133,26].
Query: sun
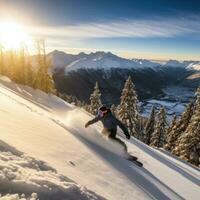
[12,35]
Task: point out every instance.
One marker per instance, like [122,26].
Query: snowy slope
[21,175]
[146,63]
[194,65]
[60,59]
[49,130]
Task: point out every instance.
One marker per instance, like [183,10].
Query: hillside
[45,149]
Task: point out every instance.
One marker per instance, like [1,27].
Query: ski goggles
[102,113]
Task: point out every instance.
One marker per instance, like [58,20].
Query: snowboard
[134,160]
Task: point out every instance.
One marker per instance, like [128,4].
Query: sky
[151,29]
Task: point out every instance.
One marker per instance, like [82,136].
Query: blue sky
[153,29]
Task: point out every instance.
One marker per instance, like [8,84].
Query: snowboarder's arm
[123,127]
[96,119]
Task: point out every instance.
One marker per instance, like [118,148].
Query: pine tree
[20,63]
[1,60]
[142,121]
[159,136]
[10,69]
[173,123]
[128,108]
[179,127]
[149,128]
[188,145]
[44,80]
[95,100]
[29,72]
[169,131]
[16,65]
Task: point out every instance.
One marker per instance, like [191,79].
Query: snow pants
[111,133]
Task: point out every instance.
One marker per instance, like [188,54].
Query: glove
[128,136]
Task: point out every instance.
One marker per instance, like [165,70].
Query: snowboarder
[110,123]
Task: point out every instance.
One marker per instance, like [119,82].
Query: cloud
[159,27]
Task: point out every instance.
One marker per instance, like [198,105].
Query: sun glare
[12,35]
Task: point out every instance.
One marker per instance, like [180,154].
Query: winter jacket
[110,122]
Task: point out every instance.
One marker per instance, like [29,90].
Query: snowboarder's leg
[121,143]
[105,132]
[113,137]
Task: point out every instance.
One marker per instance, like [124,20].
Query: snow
[59,59]
[107,60]
[171,107]
[23,174]
[194,66]
[100,60]
[175,100]
[5,79]
[45,149]
[97,60]
[190,65]
[147,63]
[33,196]
[162,103]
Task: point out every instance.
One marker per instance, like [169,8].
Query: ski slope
[50,153]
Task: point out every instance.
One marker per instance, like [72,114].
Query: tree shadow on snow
[166,161]
[180,160]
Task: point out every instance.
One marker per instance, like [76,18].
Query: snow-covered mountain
[194,66]
[146,63]
[46,154]
[97,60]
[61,59]
[107,60]
[175,63]
[190,65]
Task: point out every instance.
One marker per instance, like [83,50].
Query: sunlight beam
[12,35]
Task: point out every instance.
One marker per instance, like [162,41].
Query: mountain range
[107,60]
[76,75]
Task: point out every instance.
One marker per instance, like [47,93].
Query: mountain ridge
[107,60]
